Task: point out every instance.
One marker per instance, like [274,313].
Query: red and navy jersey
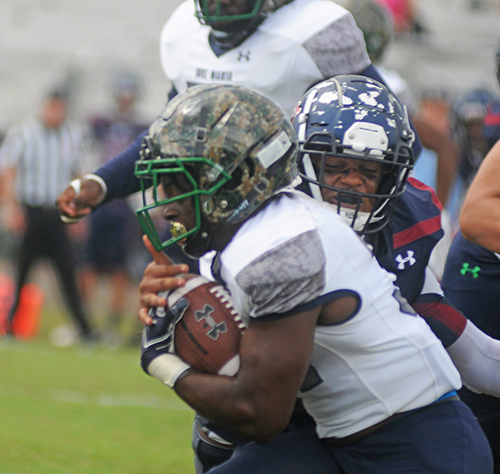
[404,246]
[491,129]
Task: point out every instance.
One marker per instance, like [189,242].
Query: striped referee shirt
[45,159]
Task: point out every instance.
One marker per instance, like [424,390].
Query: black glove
[158,338]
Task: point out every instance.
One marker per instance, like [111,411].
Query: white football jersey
[297,46]
[298,253]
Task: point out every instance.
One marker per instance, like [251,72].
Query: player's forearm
[474,353]
[480,213]
[258,402]
[477,357]
[446,322]
[221,400]
[447,151]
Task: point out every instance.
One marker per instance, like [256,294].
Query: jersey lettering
[203,73]
[221,76]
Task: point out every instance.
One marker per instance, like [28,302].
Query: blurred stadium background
[45,41]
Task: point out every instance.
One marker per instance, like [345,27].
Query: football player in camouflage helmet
[376,23]
[226,150]
[232,22]
[355,149]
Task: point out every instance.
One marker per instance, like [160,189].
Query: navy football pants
[443,438]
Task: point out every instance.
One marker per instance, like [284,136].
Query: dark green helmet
[233,23]
[213,12]
[235,147]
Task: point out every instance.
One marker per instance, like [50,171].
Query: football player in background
[277,47]
[319,307]
[471,279]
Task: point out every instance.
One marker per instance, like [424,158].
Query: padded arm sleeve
[475,354]
[446,322]
[477,357]
[118,173]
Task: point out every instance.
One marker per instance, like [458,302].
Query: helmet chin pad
[356,221]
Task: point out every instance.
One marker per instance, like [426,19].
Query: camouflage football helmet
[235,148]
[357,118]
[377,24]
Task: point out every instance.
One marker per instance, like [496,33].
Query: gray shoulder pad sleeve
[287,276]
[339,48]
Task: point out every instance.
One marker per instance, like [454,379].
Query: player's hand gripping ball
[158,338]
[207,335]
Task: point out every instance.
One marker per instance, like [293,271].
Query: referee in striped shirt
[37,159]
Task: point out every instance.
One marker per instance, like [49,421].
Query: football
[208,335]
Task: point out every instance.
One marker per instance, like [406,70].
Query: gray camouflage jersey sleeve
[285,277]
[339,48]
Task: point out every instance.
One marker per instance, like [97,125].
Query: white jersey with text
[298,253]
[297,46]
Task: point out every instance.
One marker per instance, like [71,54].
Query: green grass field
[75,411]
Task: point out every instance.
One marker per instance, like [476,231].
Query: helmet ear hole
[246,167]
[235,181]
[249,166]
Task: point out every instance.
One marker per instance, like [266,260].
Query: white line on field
[101,399]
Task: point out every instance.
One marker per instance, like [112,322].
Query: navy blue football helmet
[357,118]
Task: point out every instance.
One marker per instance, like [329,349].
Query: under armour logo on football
[215,329]
[243,56]
[403,261]
[466,269]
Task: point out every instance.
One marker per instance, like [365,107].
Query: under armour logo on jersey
[215,329]
[403,261]
[466,269]
[244,56]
